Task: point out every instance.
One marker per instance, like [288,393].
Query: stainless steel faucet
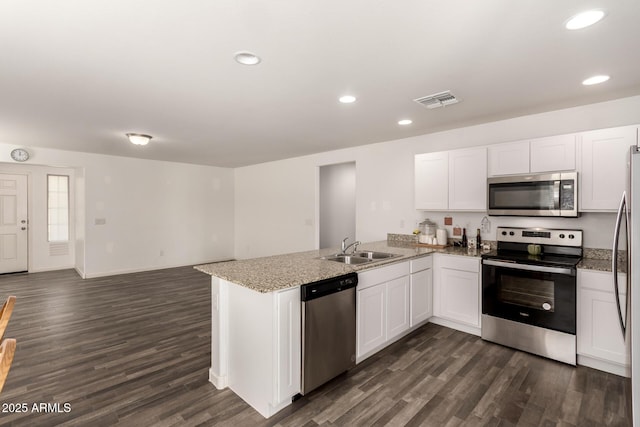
[344,247]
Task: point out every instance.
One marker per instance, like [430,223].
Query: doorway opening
[337,202]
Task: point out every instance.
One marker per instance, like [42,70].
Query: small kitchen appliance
[529,291]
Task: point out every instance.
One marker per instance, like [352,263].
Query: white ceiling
[79,74]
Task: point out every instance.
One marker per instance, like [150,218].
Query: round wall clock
[20,155]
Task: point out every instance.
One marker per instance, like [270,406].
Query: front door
[13,223]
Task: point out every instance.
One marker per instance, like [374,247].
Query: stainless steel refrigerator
[629,212]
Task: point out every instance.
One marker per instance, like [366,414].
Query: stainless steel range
[529,291]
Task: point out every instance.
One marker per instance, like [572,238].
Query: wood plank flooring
[134,350]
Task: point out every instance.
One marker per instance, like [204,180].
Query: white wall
[276,201]
[40,258]
[150,207]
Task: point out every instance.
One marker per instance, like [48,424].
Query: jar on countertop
[428,230]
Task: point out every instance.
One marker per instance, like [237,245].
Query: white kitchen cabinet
[468,179]
[383,307]
[456,292]
[550,154]
[431,175]
[508,159]
[421,290]
[603,156]
[600,341]
[371,315]
[451,180]
[397,307]
[554,153]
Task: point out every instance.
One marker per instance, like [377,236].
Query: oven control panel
[540,236]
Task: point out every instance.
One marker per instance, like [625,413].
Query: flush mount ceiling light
[347,99]
[584,19]
[247,58]
[595,80]
[405,122]
[138,138]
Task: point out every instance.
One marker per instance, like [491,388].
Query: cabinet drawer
[420,264]
[457,262]
[601,281]
[382,274]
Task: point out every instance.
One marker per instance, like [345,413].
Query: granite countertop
[273,273]
[601,265]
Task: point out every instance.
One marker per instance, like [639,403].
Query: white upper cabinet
[453,180]
[468,179]
[431,181]
[508,159]
[555,153]
[603,156]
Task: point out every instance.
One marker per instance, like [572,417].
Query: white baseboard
[606,366]
[219,382]
[43,270]
[141,269]
[455,325]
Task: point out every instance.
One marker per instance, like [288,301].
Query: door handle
[23,228]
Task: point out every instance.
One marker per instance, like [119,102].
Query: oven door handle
[539,268]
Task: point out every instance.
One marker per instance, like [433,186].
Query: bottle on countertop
[478,240]
[464,237]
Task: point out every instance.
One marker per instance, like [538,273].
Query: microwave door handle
[558,198]
[614,260]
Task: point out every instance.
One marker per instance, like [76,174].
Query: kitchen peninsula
[256,315]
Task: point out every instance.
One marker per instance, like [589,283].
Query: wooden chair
[5,314]
[7,350]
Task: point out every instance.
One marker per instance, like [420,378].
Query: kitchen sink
[347,259]
[360,257]
[375,255]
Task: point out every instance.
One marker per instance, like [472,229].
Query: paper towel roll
[441,235]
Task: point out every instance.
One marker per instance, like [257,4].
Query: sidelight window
[58,208]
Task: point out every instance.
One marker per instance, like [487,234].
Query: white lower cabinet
[421,288]
[385,305]
[371,313]
[600,341]
[397,307]
[456,292]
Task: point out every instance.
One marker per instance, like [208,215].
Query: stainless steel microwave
[552,194]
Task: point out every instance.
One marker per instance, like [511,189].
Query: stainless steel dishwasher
[328,329]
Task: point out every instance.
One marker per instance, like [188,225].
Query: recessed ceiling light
[584,19]
[247,58]
[405,122]
[347,99]
[595,80]
[139,138]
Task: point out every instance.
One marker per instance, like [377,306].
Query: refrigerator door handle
[614,260]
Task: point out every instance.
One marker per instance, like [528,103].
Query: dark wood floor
[134,350]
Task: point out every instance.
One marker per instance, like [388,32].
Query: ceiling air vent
[437,100]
